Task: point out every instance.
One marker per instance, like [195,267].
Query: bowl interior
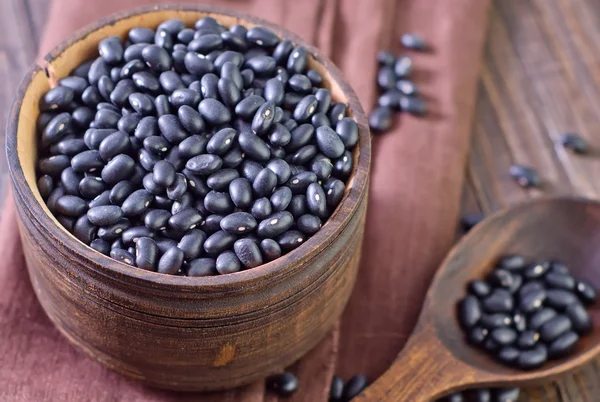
[83,46]
[564,229]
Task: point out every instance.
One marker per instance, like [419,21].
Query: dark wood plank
[19,36]
[539,79]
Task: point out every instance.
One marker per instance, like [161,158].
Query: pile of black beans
[527,313]
[397,91]
[485,395]
[286,384]
[194,151]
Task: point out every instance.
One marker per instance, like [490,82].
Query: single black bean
[146,254]
[281,198]
[165,244]
[84,230]
[202,267]
[114,144]
[284,384]
[574,142]
[136,203]
[192,243]
[334,192]
[221,179]
[354,386]
[579,317]
[218,203]
[131,235]
[532,301]
[102,199]
[563,345]
[512,262]
[534,358]
[299,83]
[106,118]
[381,119]
[101,246]
[163,39]
[93,137]
[263,118]
[163,173]
[490,321]
[315,198]
[178,188]
[56,129]
[151,186]
[118,168]
[248,253]
[157,219]
[501,278]
[309,224]
[299,183]
[507,394]
[214,112]
[455,397]
[413,105]
[386,79]
[265,182]
[185,96]
[186,201]
[469,311]
[156,144]
[190,119]
[537,270]
[531,286]
[209,86]
[541,317]
[508,354]
[218,242]
[500,301]
[337,112]
[192,146]
[560,299]
[71,146]
[525,176]
[105,215]
[262,37]
[560,281]
[253,146]
[120,94]
[390,99]
[171,261]
[290,240]
[170,81]
[45,186]
[147,127]
[347,130]
[212,223]
[554,328]
[270,249]
[320,119]
[262,208]
[519,321]
[146,82]
[298,206]
[586,292]
[247,107]
[70,205]
[82,116]
[477,335]
[305,108]
[204,164]
[221,142]
[528,339]
[185,219]
[480,288]
[132,67]
[517,282]
[206,43]
[275,224]
[261,65]
[171,128]
[403,66]
[336,389]
[57,98]
[141,35]
[274,91]
[66,221]
[413,41]
[69,179]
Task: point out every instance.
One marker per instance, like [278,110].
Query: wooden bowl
[175,332]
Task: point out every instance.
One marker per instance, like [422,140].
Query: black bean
[84,230]
[212,223]
[219,242]
[309,224]
[106,118]
[531,286]
[532,301]
[204,164]
[163,173]
[105,215]
[386,58]
[284,384]
[101,246]
[263,118]
[156,144]
[261,208]
[563,345]
[45,186]
[102,199]
[574,142]
[381,119]
[113,145]
[560,281]
[163,39]
[305,108]
[185,219]
[298,206]
[57,98]
[141,35]
[290,240]
[455,397]
[66,222]
[70,205]
[579,317]
[469,311]
[71,146]
[413,41]
[186,201]
[69,179]
[56,129]
[274,91]
[525,176]
[93,137]
[248,253]
[146,254]
[519,321]
[136,203]
[477,335]
[334,192]
[118,168]
[171,261]
[508,354]
[314,77]
[537,270]
[300,83]
[147,127]
[214,112]
[275,224]
[541,317]
[261,65]
[586,292]
[490,321]
[247,107]
[299,183]
[480,288]
[122,256]
[262,37]
[320,119]
[178,188]
[507,394]
[336,389]
[554,328]
[220,180]
[534,358]
[190,119]
[86,161]
[386,79]
[501,278]
[281,198]
[221,142]
[218,203]
[202,267]
[132,234]
[528,339]
[500,301]
[354,386]
[185,96]
[390,99]
[150,185]
[315,198]
[560,299]
[265,182]
[157,219]
[403,66]
[254,147]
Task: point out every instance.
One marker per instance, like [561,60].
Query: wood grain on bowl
[179,332]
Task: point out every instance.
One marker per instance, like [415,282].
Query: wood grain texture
[540,79]
[436,360]
[214,333]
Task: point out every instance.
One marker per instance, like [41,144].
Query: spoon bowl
[437,360]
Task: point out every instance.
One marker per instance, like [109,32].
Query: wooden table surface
[540,78]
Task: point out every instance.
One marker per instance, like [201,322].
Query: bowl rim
[109,267]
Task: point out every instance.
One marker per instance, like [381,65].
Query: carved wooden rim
[356,189]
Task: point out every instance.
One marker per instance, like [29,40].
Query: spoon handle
[423,371]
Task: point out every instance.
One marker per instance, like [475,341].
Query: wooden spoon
[436,360]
